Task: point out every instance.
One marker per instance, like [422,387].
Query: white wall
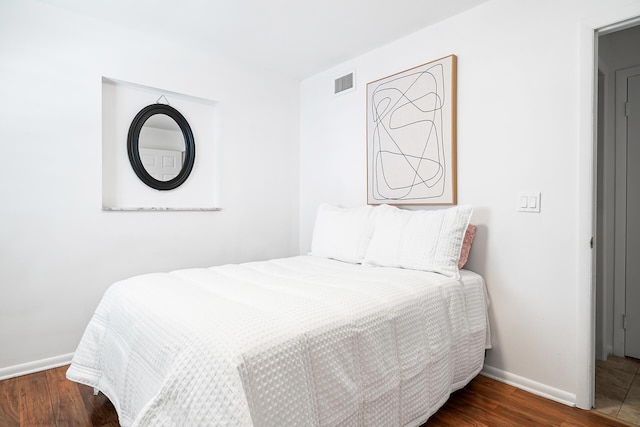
[58,250]
[519,128]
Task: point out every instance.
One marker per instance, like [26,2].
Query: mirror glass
[161,146]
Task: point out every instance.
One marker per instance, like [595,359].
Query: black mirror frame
[134,153]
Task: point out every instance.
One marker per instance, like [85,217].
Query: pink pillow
[466,245]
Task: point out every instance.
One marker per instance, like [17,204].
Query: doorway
[617,254]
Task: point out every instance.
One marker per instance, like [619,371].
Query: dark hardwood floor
[48,399]
[487,402]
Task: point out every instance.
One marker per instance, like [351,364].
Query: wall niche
[122,190]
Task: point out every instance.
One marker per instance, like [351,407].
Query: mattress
[301,341]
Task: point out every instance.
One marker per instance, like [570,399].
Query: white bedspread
[301,341]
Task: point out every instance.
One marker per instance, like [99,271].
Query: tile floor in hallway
[618,388]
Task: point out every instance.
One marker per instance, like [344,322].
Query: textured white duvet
[301,341]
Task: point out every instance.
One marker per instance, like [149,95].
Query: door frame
[589,31]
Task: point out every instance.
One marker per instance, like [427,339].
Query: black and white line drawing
[411,136]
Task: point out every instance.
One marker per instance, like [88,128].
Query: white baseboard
[531,386]
[35,366]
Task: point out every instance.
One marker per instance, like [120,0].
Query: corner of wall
[529,385]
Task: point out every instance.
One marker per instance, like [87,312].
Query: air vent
[343,83]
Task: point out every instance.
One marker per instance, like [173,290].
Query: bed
[307,340]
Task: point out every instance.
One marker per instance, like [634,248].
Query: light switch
[529,202]
[524,202]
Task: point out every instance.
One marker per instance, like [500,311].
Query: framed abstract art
[411,136]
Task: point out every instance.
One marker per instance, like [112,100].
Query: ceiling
[298,38]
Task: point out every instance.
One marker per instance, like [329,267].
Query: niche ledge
[124,209]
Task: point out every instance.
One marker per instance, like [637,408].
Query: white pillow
[342,233]
[419,240]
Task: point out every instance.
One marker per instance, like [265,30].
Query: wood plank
[66,401]
[10,407]
[34,400]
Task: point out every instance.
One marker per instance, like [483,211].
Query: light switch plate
[529,202]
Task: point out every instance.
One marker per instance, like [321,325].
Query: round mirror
[161,147]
